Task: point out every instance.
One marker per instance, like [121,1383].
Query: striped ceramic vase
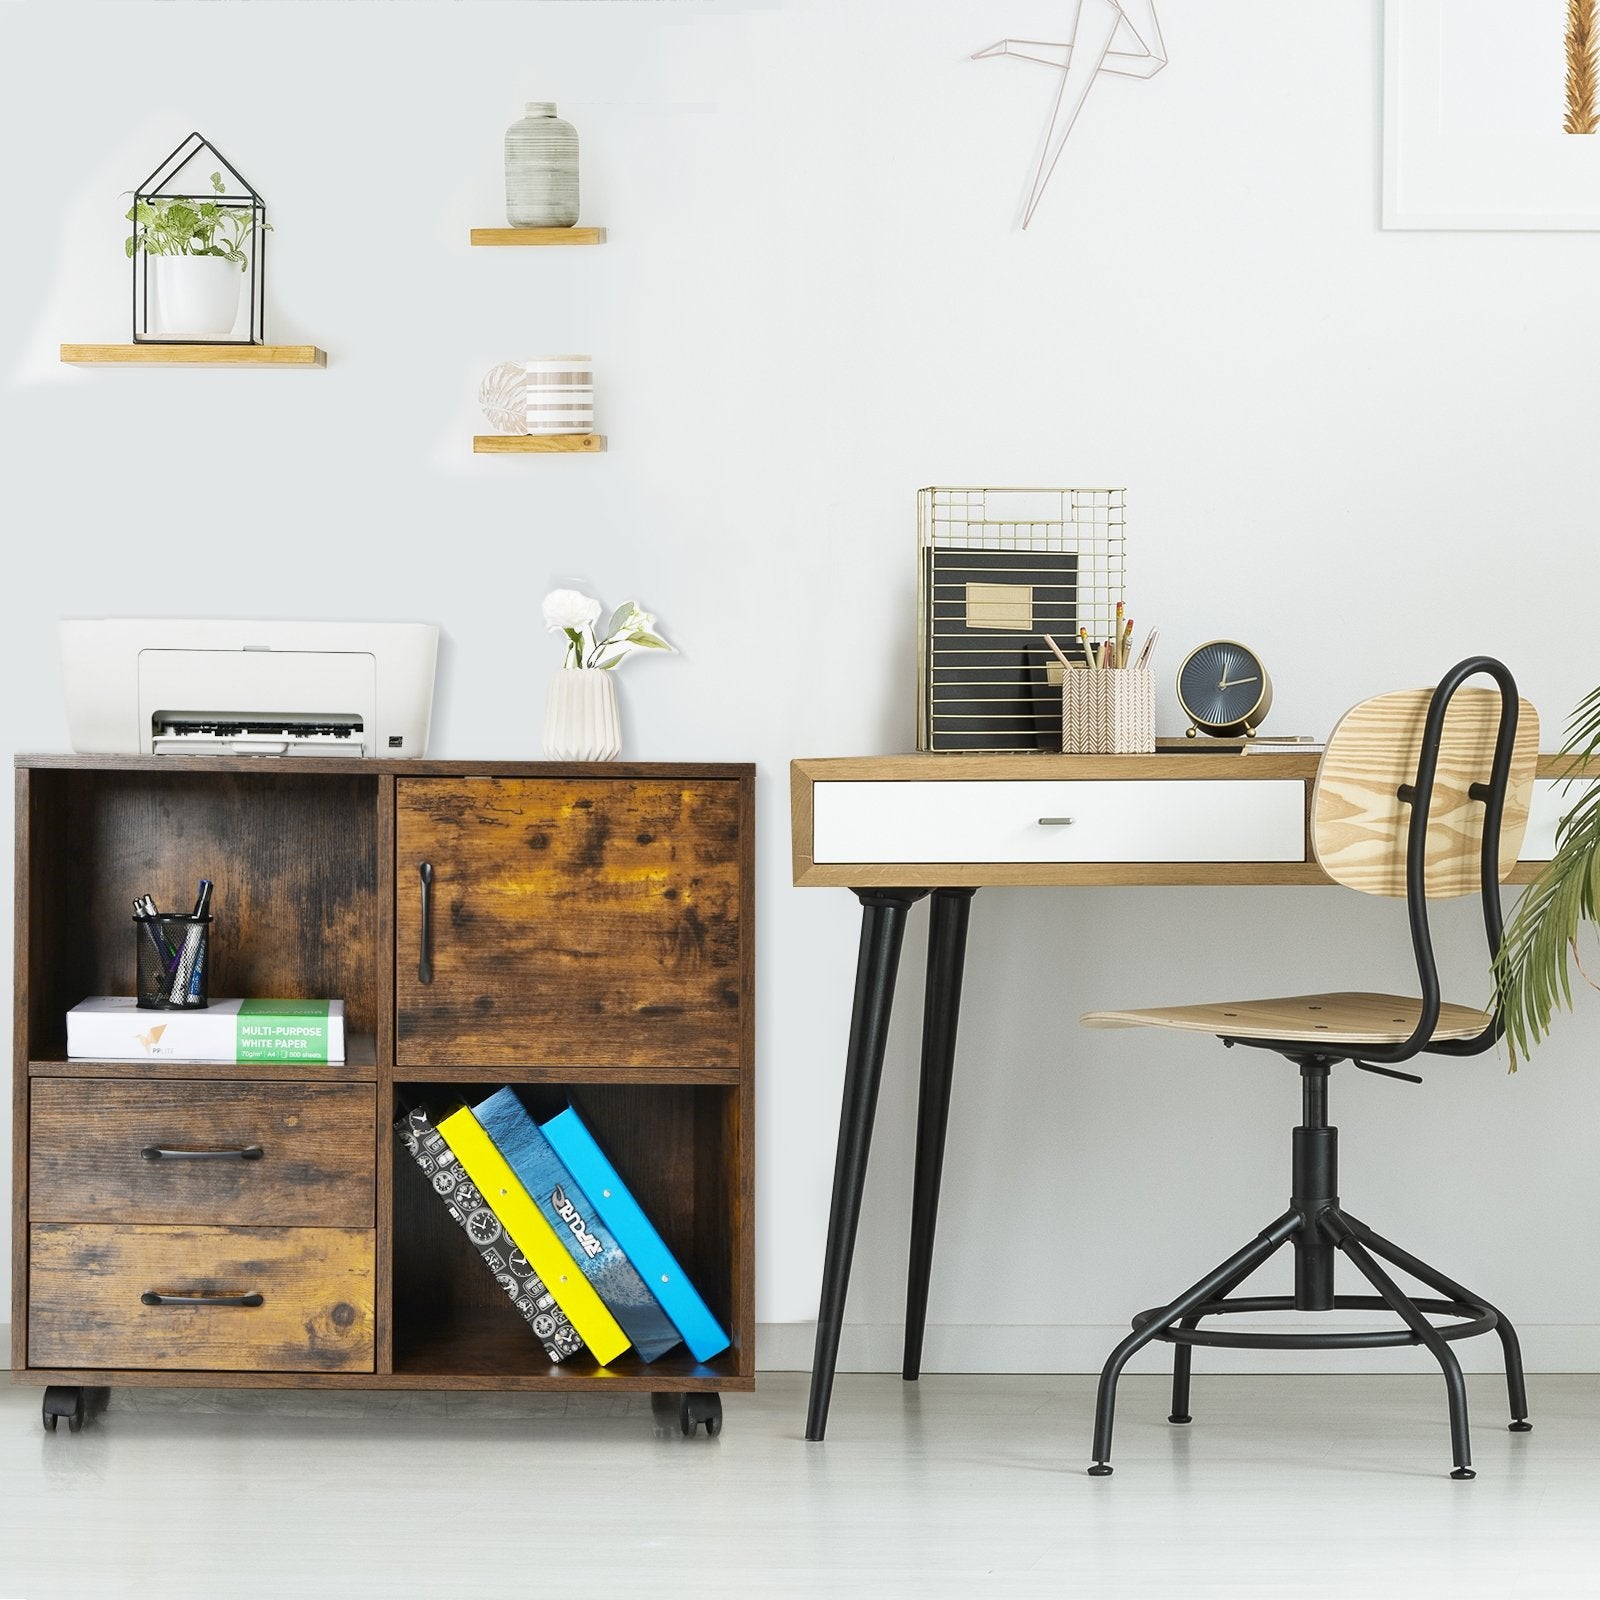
[541,169]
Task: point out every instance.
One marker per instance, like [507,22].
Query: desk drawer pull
[158,1152]
[153,1297]
[1056,822]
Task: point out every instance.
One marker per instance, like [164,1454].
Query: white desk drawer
[1180,819]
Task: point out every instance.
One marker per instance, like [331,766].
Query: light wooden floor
[1291,1487]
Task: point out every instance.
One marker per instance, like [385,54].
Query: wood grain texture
[193,355]
[538,236]
[520,444]
[1327,1018]
[1359,826]
[323,836]
[293,857]
[316,1167]
[21,1014]
[85,1311]
[588,922]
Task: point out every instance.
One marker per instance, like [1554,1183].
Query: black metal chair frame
[1316,1225]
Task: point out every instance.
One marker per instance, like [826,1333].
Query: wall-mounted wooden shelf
[511,444]
[531,236]
[194,355]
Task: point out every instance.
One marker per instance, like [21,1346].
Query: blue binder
[632,1229]
[565,1206]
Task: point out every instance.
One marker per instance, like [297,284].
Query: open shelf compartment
[674,1146]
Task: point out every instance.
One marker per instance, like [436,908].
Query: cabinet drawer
[315,1288]
[88,1140]
[1214,819]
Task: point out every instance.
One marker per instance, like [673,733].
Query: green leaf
[217,183]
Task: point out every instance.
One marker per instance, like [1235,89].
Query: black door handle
[424,960]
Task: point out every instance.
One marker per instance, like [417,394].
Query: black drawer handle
[164,1152]
[152,1297]
[424,960]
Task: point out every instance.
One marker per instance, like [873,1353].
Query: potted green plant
[1533,973]
[195,257]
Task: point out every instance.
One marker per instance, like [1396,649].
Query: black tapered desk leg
[883,927]
[941,1008]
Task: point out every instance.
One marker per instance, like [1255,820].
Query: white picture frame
[1474,93]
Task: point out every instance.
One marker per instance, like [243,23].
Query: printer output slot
[256,733]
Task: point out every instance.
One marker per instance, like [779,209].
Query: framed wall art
[1490,114]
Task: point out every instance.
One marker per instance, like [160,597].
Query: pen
[1149,645]
[144,912]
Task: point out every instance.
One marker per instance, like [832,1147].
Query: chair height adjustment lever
[1389,1072]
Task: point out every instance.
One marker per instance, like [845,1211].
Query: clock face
[1223,688]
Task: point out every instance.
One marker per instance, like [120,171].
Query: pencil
[1070,666]
[1083,642]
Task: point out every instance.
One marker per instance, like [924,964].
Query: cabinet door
[584,922]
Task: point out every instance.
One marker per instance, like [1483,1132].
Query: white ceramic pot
[580,716]
[193,297]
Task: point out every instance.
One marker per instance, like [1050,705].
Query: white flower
[566,609]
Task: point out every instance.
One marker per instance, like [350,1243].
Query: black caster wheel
[63,1400]
[693,1409]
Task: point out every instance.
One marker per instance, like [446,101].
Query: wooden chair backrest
[1359,825]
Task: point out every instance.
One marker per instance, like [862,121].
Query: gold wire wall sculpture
[998,569]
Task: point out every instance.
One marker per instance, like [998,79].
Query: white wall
[1369,453]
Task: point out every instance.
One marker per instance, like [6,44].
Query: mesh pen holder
[171,962]
[1108,712]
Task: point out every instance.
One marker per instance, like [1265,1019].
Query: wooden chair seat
[1334,1018]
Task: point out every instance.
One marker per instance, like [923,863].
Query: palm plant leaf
[1533,971]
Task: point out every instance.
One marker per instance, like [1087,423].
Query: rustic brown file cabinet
[582,928]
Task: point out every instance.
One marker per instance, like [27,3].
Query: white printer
[168,686]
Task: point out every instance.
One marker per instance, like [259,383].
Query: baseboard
[953,1347]
[1030,1347]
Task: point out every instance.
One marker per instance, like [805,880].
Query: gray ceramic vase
[541,169]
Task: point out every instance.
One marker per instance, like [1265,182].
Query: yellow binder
[533,1236]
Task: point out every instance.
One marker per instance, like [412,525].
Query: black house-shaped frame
[157,186]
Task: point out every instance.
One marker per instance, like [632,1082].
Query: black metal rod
[950,912]
[1235,1269]
[1510,1345]
[883,926]
[1454,1384]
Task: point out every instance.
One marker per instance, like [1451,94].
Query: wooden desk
[895,829]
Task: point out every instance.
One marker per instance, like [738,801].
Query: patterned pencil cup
[1111,712]
[171,962]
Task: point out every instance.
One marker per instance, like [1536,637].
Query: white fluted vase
[580,716]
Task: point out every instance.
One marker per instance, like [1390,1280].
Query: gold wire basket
[997,569]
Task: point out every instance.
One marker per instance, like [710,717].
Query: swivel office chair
[1423,795]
